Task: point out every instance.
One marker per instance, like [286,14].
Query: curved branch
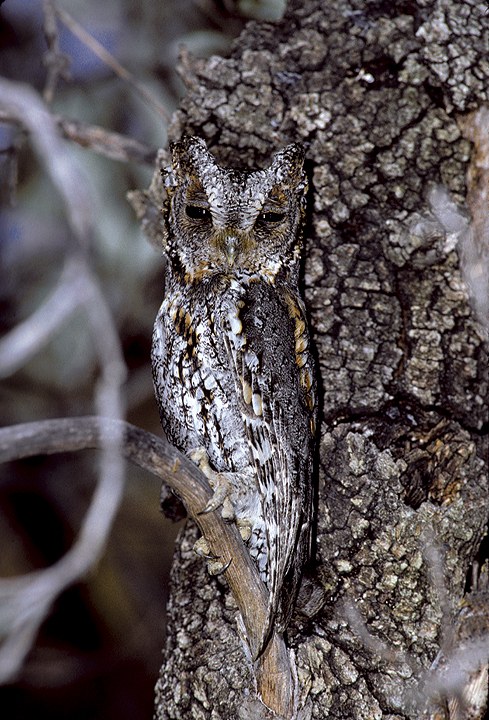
[23,102]
[157,456]
[26,338]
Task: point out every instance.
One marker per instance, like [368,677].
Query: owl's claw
[202,549]
[215,565]
[199,457]
[222,488]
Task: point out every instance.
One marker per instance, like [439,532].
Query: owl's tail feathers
[283,590]
[283,593]
[284,492]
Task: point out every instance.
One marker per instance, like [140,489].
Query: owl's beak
[231,249]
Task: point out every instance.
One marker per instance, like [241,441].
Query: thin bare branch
[474,244]
[432,554]
[93,137]
[56,62]
[390,655]
[29,336]
[109,144]
[111,62]
[461,680]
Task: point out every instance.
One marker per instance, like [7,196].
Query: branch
[29,336]
[157,456]
[110,144]
[474,245]
[104,142]
[56,62]
[24,103]
[28,599]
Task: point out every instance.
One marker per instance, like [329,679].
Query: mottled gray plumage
[232,367]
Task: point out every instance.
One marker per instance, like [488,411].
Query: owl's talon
[217,567]
[222,489]
[202,549]
[227,511]
[199,457]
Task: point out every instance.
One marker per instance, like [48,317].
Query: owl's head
[234,223]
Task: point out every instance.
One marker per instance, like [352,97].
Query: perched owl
[232,366]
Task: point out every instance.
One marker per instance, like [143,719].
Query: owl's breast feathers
[192,380]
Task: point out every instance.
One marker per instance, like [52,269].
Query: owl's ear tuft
[180,160]
[188,146]
[187,155]
[288,166]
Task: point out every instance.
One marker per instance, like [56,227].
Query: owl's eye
[196,212]
[272,217]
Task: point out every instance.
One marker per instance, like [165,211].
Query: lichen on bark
[374,91]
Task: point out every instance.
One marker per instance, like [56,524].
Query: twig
[56,62]
[9,173]
[474,245]
[157,456]
[109,144]
[390,655]
[433,557]
[111,62]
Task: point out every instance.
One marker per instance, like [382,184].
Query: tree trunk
[380,95]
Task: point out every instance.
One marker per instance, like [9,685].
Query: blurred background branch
[107,58]
[109,144]
[29,599]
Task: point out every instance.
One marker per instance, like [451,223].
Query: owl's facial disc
[229,222]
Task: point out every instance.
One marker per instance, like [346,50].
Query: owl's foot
[219,482]
[215,566]
[202,549]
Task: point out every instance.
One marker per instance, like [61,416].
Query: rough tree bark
[376,91]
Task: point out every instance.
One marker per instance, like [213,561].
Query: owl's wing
[267,342]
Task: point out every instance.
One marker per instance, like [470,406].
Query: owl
[232,366]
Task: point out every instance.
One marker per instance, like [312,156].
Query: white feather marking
[235,323]
[263,452]
[256,402]
[251,360]
[210,382]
